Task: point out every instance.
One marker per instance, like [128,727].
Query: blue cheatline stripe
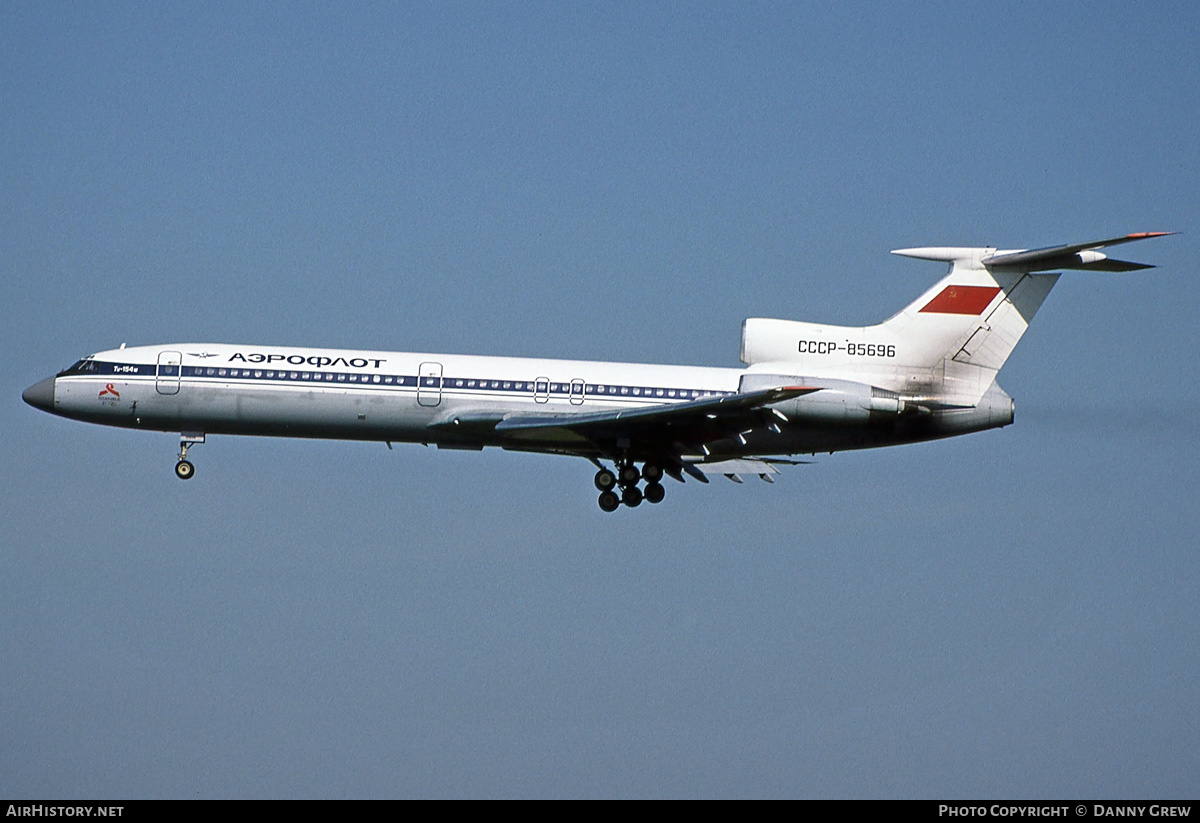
[340,379]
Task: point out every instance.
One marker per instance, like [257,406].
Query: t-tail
[944,349]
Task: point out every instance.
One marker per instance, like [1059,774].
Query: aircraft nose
[40,395]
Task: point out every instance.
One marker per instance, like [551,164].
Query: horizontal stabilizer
[1076,256]
[1083,256]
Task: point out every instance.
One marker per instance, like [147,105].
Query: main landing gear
[184,469]
[626,480]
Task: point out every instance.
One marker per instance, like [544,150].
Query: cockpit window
[85,366]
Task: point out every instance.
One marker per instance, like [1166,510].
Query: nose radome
[40,395]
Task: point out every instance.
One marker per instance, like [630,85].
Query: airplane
[928,372]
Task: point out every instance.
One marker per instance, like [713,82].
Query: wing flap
[764,467]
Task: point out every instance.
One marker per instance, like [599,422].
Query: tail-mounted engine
[837,401]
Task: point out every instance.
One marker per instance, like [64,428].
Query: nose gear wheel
[184,469]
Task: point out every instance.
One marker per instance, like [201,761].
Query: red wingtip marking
[1140,235]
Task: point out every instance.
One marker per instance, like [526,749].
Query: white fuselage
[200,389]
[370,395]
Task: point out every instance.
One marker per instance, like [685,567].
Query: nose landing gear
[184,469]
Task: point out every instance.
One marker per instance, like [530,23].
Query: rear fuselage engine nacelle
[836,402]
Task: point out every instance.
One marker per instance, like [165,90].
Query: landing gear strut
[627,477]
[184,469]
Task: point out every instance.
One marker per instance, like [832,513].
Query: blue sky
[1010,614]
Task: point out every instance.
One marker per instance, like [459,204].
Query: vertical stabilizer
[950,342]
[967,325]
[976,314]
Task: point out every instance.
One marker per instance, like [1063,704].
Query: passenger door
[167,376]
[429,384]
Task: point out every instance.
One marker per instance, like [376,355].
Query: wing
[665,432]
